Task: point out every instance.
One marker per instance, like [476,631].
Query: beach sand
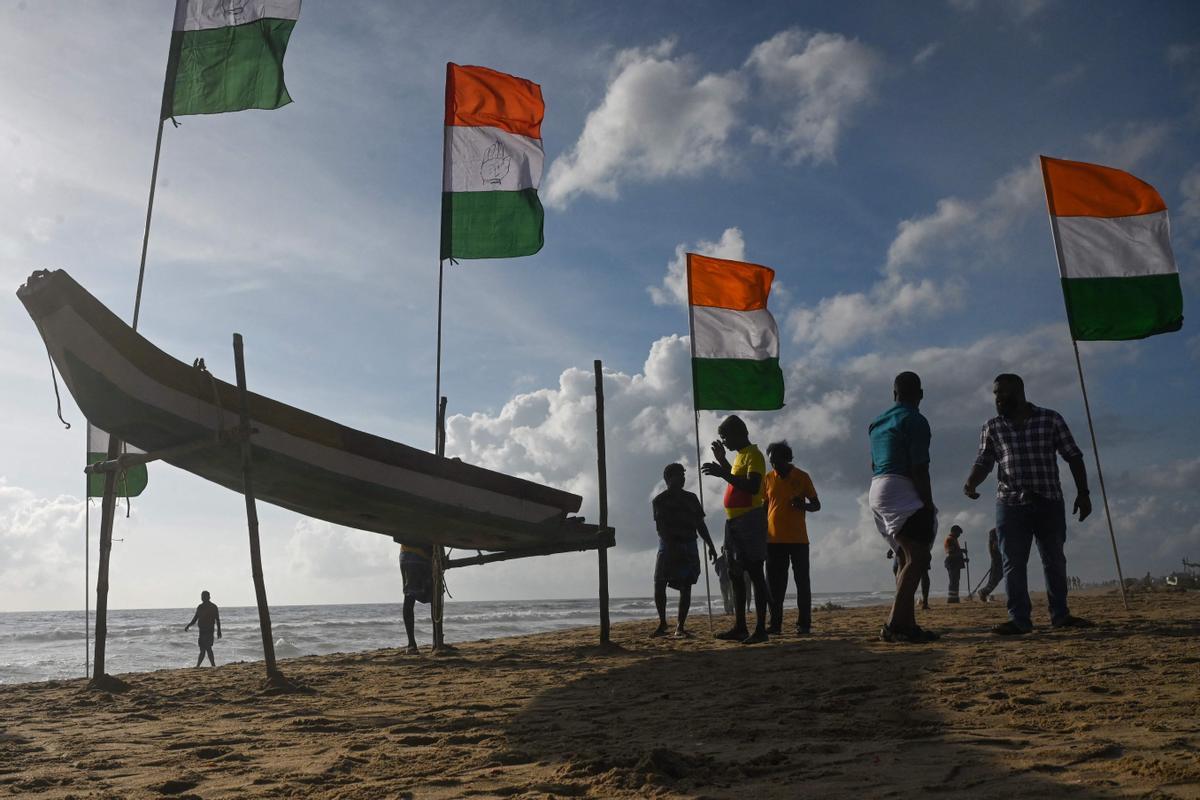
[1108,712]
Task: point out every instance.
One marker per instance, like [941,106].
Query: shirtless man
[207,615]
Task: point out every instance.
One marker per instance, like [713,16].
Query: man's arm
[984,461]
[218,613]
[748,483]
[702,529]
[1083,499]
[195,617]
[920,479]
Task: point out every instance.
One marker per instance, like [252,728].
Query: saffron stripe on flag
[721,283]
[1079,189]
[1102,309]
[478,96]
[737,384]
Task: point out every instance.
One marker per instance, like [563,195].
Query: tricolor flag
[492,165]
[130,483]
[735,342]
[228,56]
[1113,239]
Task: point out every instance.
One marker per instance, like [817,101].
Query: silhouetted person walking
[207,617]
[678,518]
[956,559]
[1024,440]
[789,494]
[902,500]
[745,526]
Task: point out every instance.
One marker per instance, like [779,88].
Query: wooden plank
[603,540]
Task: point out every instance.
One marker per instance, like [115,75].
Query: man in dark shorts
[416,576]
[1024,442]
[745,526]
[678,517]
[902,500]
[206,617]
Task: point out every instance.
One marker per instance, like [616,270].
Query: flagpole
[1100,474]
[1083,387]
[137,300]
[696,418]
[437,379]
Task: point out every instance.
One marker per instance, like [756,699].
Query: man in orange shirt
[789,494]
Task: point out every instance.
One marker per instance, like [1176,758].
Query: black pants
[953,572]
[779,557]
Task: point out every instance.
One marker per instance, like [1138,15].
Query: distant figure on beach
[416,577]
[745,524]
[995,571]
[678,518]
[956,559]
[1024,440]
[902,500]
[789,494]
[207,617]
[891,554]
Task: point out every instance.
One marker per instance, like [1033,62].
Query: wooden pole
[87,556]
[438,554]
[108,508]
[1100,475]
[696,415]
[602,472]
[274,676]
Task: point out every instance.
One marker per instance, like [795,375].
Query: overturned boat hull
[302,462]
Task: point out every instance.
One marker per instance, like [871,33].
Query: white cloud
[1126,146]
[1189,209]
[41,539]
[1179,53]
[659,118]
[673,290]
[821,79]
[927,52]
[318,550]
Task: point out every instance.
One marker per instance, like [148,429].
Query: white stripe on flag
[1116,247]
[199,15]
[98,441]
[725,333]
[484,159]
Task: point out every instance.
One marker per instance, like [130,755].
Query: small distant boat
[311,465]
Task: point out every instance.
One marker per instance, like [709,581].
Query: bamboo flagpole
[87,548]
[696,419]
[1058,253]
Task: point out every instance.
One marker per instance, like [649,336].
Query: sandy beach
[1108,712]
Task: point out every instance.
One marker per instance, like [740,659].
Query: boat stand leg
[108,510]
[602,474]
[274,676]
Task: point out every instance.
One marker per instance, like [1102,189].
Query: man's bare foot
[757,637]
[734,634]
[412,650]
[660,631]
[681,633]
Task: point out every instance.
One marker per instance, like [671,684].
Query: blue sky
[879,156]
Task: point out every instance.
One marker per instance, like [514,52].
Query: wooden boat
[311,465]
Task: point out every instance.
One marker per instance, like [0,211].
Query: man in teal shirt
[902,500]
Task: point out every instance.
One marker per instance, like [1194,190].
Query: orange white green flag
[1113,237]
[735,341]
[492,165]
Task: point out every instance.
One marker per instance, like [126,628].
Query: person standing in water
[206,617]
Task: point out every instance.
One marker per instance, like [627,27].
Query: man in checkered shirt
[1025,440]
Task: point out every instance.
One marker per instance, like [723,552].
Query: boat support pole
[438,553]
[274,676]
[602,474]
[108,508]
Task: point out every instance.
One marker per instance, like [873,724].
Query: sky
[881,157]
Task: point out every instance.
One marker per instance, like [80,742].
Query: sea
[53,645]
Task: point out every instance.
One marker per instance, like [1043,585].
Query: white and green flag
[228,56]
[130,483]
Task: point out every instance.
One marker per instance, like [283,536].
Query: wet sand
[1108,712]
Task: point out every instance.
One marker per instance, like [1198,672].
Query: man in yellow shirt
[745,524]
[789,494]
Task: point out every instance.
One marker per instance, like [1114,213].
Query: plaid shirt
[1026,455]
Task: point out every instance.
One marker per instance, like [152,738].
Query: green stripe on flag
[1101,309]
[227,69]
[130,483]
[737,384]
[491,224]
